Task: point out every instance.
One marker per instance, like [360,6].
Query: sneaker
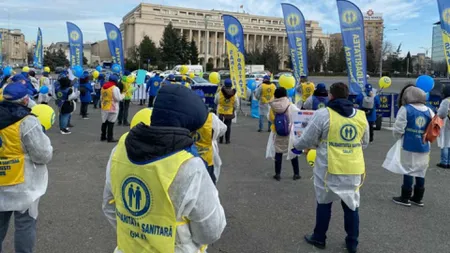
[102,138]
[70,125]
[417,203]
[310,239]
[259,130]
[65,131]
[126,124]
[296,177]
[401,201]
[112,141]
[277,177]
[85,118]
[443,166]
[228,142]
[119,123]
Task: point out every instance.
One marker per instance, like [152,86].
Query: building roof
[437,23]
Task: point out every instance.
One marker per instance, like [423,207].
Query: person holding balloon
[66,96]
[339,133]
[318,100]
[111,96]
[153,86]
[264,93]
[98,84]
[161,160]
[370,108]
[85,95]
[44,81]
[27,151]
[227,103]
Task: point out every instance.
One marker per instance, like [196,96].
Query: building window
[191,14]
[254,20]
[157,10]
[200,14]
[182,12]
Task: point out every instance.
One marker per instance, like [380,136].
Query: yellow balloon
[95,74]
[192,75]
[311,157]
[214,78]
[25,69]
[385,82]
[45,114]
[184,69]
[143,116]
[287,81]
[130,79]
[47,69]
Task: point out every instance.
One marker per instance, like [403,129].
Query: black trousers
[211,173]
[371,129]
[124,106]
[279,161]
[107,131]
[141,101]
[151,99]
[227,122]
[84,109]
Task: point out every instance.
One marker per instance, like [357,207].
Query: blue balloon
[116,68]
[291,92]
[77,71]
[99,68]
[43,90]
[7,71]
[251,84]
[425,83]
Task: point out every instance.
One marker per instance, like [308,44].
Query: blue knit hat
[14,91]
[266,78]
[321,86]
[18,77]
[113,78]
[228,83]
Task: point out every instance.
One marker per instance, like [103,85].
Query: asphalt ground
[263,215]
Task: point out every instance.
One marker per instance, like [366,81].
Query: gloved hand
[297,152]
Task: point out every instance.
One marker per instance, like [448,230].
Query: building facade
[207,30]
[374,30]
[64,46]
[437,50]
[100,52]
[14,48]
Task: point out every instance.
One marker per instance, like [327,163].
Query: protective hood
[342,106]
[108,85]
[228,92]
[10,113]
[145,143]
[280,105]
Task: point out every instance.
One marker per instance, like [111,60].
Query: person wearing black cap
[227,103]
[66,96]
[160,161]
[110,96]
[25,151]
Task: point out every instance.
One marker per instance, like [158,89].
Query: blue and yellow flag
[38,57]
[75,44]
[444,13]
[352,28]
[115,44]
[234,35]
[296,34]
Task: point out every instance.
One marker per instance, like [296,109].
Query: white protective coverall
[38,153]
[193,196]
[45,97]
[338,187]
[219,130]
[443,112]
[408,163]
[112,114]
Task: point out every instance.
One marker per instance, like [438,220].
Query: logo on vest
[196,136]
[1,143]
[321,105]
[348,132]
[156,84]
[136,196]
[420,122]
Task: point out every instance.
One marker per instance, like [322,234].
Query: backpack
[282,123]
[433,129]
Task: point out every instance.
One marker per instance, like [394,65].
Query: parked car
[58,70]
[277,76]
[256,77]
[192,81]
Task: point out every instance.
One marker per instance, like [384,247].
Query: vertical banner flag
[352,28]
[38,59]
[296,34]
[444,13]
[115,44]
[234,35]
[75,44]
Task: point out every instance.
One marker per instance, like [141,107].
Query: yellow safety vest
[267,92]
[42,81]
[12,156]
[203,141]
[226,106]
[107,98]
[146,219]
[129,90]
[307,90]
[1,94]
[345,154]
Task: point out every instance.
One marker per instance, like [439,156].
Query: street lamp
[382,50]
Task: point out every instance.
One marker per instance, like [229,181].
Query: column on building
[262,42]
[199,43]
[216,50]
[247,41]
[190,35]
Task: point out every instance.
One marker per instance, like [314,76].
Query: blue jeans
[64,119]
[351,224]
[25,231]
[445,159]
[261,122]
[408,182]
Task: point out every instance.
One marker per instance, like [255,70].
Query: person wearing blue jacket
[32,92]
[85,95]
[153,86]
[98,87]
[371,114]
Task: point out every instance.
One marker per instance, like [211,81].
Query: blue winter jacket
[86,98]
[371,115]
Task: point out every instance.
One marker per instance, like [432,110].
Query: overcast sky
[413,19]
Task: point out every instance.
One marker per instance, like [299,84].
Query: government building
[207,30]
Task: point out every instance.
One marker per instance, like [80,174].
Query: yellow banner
[446,40]
[237,69]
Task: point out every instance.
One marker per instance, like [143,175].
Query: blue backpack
[281,123]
